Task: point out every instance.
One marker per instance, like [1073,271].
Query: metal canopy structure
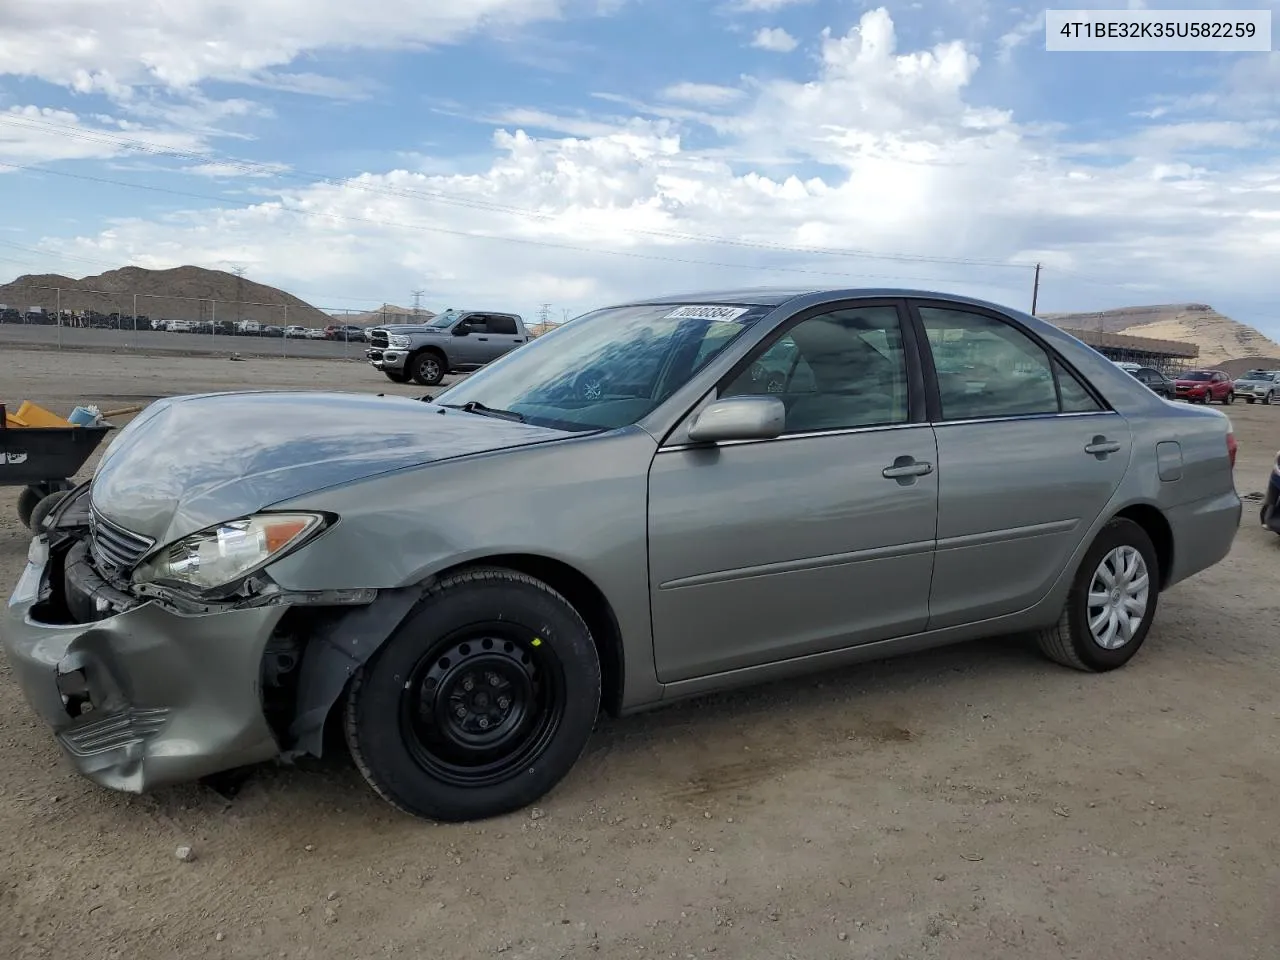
[1167,356]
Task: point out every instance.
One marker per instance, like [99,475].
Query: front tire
[1250,400]
[396,376]
[1111,605]
[1269,398]
[480,702]
[427,368]
[1230,398]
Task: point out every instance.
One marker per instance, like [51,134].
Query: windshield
[445,319]
[606,369]
[1258,375]
[1196,375]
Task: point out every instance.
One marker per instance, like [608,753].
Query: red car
[1204,386]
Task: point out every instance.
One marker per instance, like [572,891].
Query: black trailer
[42,460]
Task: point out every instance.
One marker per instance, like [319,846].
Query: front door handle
[485,339]
[1100,447]
[906,469]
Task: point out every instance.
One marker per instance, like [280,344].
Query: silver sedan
[656,500]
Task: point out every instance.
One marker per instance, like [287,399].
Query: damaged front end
[156,665]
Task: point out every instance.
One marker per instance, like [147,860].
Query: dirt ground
[976,802]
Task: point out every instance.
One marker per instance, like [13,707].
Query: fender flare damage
[334,652]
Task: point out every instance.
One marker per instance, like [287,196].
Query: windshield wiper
[475,406]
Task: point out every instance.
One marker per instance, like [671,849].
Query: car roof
[776,296]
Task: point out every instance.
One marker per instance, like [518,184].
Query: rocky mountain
[183,293]
[1220,338]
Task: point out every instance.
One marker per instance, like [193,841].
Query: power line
[102,137]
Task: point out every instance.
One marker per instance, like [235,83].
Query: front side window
[839,370]
[606,369]
[989,368]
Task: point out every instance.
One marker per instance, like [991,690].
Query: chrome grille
[378,339]
[115,549]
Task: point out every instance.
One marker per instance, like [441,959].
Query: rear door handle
[485,339]
[906,469]
[1101,446]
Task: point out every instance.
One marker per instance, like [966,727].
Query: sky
[507,154]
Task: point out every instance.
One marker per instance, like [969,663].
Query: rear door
[1028,458]
[501,335]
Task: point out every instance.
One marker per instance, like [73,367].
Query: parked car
[295,331]
[1204,386]
[180,326]
[1127,365]
[1270,514]
[271,330]
[1156,381]
[453,342]
[465,582]
[1261,385]
[347,332]
[314,333]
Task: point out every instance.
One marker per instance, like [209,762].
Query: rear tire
[1123,552]
[480,702]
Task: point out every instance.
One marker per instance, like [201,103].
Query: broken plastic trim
[258,591]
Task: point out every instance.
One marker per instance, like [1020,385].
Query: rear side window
[988,368]
[503,325]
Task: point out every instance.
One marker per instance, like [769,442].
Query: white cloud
[1027,29]
[775,39]
[704,94]
[110,46]
[880,150]
[765,6]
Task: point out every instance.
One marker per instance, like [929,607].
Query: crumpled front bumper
[146,697]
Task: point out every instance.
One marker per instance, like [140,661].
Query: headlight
[399,341]
[228,552]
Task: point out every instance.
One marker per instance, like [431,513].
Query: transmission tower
[417,302]
[544,315]
[239,272]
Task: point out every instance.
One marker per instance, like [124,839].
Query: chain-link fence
[74,316]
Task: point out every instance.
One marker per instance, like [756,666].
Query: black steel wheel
[480,702]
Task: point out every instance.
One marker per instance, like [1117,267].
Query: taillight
[1232,447]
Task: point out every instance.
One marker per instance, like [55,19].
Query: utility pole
[239,272]
[544,315]
[1035,291]
[417,302]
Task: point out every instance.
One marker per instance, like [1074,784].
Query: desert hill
[183,293]
[1219,338]
[387,313]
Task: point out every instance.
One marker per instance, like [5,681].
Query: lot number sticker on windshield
[706,312]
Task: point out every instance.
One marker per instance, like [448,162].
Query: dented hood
[186,463]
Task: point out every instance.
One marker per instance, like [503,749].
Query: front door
[1028,459]
[819,539]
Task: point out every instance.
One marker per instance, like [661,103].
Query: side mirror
[461,330]
[739,418]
